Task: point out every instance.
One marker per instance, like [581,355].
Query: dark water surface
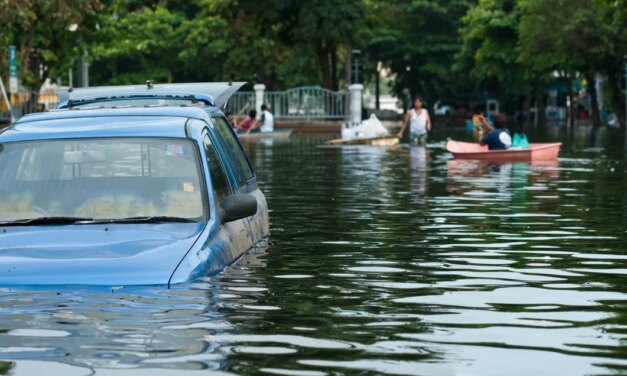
[382,260]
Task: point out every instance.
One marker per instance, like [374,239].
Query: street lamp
[356,54]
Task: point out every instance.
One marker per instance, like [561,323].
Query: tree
[131,46]
[573,36]
[418,41]
[324,27]
[489,39]
[490,51]
[42,32]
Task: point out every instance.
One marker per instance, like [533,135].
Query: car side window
[245,170]
[219,180]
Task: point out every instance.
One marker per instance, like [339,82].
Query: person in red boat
[246,124]
[497,137]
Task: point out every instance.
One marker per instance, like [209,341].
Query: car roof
[166,121]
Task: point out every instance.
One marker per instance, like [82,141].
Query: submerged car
[125,196]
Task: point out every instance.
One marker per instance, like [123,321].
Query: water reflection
[383,260]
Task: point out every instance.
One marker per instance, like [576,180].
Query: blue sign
[13,84]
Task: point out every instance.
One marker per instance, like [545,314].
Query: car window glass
[105,178]
[245,171]
[219,180]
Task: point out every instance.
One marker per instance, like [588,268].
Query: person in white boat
[419,124]
[266,122]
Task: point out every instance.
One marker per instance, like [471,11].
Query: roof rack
[193,99]
[217,93]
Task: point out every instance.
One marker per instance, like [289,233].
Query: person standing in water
[419,124]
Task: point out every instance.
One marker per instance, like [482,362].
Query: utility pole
[377,87]
[625,118]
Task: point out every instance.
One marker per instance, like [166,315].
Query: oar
[242,110]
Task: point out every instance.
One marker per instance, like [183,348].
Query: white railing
[308,102]
[240,103]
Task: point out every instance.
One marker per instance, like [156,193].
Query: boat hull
[536,152]
[279,133]
[376,141]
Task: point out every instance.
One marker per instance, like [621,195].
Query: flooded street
[394,260]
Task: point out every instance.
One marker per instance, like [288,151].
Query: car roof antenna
[149,84]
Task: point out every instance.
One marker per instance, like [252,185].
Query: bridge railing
[307,103]
[240,103]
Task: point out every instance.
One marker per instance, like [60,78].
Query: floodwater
[391,260]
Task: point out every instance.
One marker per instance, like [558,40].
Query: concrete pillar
[355,101]
[260,90]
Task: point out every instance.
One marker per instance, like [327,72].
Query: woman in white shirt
[419,124]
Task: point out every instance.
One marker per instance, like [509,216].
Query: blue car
[125,195]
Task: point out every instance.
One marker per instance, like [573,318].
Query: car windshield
[100,179]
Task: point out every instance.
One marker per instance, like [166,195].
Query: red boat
[536,152]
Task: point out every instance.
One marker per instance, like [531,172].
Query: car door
[243,175]
[233,238]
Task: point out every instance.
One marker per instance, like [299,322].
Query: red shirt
[246,124]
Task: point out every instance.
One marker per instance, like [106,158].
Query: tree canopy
[437,48]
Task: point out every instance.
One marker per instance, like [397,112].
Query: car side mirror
[238,207]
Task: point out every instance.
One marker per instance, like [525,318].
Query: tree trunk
[325,66]
[542,115]
[570,110]
[334,76]
[536,114]
[594,102]
[377,90]
[430,97]
[349,64]
[615,82]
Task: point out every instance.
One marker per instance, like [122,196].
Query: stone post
[260,90]
[355,102]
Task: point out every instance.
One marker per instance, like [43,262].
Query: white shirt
[418,122]
[267,121]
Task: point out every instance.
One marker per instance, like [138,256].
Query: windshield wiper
[148,219]
[46,221]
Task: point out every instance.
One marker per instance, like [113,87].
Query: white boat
[277,133]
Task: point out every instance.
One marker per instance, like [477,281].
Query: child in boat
[477,123]
[497,137]
[419,124]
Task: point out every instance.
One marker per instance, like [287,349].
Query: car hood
[114,255]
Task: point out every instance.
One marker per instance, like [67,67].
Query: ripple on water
[382,260]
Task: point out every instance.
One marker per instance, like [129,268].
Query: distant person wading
[419,124]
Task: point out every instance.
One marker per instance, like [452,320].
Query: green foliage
[489,39]
[580,43]
[321,28]
[39,28]
[418,41]
[131,47]
[435,48]
[284,43]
